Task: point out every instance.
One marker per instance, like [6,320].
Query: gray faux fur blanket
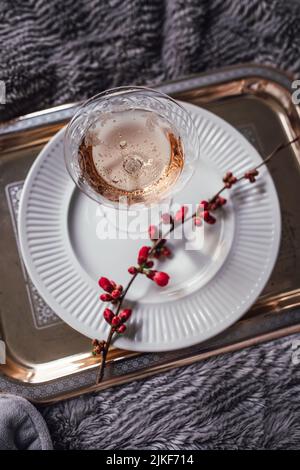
[57,51]
[246,400]
[54,51]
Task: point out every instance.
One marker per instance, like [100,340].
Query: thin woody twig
[162,237]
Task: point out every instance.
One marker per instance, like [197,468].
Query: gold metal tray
[46,359]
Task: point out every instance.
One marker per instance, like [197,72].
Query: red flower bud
[250,175]
[116,321]
[204,205]
[221,201]
[227,176]
[106,284]
[181,213]
[108,315]
[165,251]
[197,221]
[125,314]
[153,232]
[132,270]
[229,179]
[121,329]
[166,218]
[105,297]
[143,254]
[116,294]
[149,264]
[209,219]
[160,278]
[150,274]
[206,215]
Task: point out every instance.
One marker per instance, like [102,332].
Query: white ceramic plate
[210,288]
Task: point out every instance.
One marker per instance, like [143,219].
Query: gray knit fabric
[21,425]
[57,51]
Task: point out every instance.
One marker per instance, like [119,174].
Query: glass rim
[119,90]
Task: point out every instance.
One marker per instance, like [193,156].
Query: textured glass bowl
[126,98]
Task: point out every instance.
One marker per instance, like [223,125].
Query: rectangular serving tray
[46,360]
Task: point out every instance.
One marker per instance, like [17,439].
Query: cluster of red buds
[145,264]
[203,213]
[205,208]
[178,218]
[117,320]
[113,295]
[160,250]
[217,202]
[229,180]
[98,347]
[251,175]
[113,290]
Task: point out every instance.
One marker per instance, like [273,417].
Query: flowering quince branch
[115,294]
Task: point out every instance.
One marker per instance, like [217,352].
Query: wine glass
[131,148]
